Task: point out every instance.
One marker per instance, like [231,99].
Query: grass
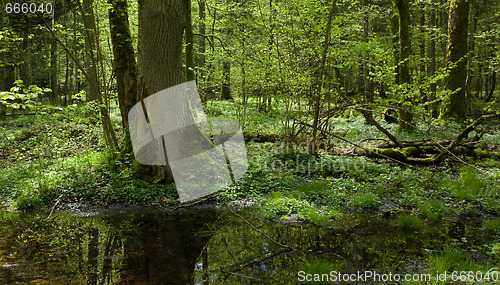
[452,259]
[492,226]
[432,210]
[409,223]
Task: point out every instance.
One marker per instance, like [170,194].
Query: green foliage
[452,259]
[21,97]
[496,250]
[286,208]
[492,226]
[315,192]
[432,210]
[366,200]
[409,222]
[279,205]
[469,186]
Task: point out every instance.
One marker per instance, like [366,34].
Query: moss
[430,150]
[411,151]
[486,153]
[383,152]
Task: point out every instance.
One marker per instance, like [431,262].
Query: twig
[51,211]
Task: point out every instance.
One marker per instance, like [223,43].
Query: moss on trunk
[454,106]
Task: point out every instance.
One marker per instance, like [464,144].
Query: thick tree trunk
[403,8]
[161,28]
[124,58]
[455,105]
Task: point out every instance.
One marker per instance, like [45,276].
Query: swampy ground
[291,212]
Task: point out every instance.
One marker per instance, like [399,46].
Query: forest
[331,141]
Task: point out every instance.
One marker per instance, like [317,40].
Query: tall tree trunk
[90,49]
[201,48]
[124,58]
[455,105]
[403,8]
[161,28]
[395,40]
[53,69]
[431,69]
[470,58]
[189,44]
[421,74]
[25,67]
[226,81]
[319,80]
[367,83]
[492,86]
[3,87]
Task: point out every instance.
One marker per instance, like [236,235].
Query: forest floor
[61,157]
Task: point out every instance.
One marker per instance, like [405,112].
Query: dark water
[211,246]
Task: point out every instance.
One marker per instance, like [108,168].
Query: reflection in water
[145,247]
[197,247]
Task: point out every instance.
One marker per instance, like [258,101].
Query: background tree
[125,67]
[454,104]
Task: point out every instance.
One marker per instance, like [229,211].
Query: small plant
[409,222]
[317,192]
[491,205]
[451,259]
[492,226]
[280,206]
[496,250]
[27,202]
[469,186]
[366,200]
[432,210]
[319,268]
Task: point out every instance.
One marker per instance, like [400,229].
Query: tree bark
[189,44]
[422,98]
[368,84]
[454,106]
[90,48]
[53,69]
[319,80]
[403,8]
[201,46]
[124,58]
[161,28]
[431,69]
[395,40]
[226,81]
[25,67]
